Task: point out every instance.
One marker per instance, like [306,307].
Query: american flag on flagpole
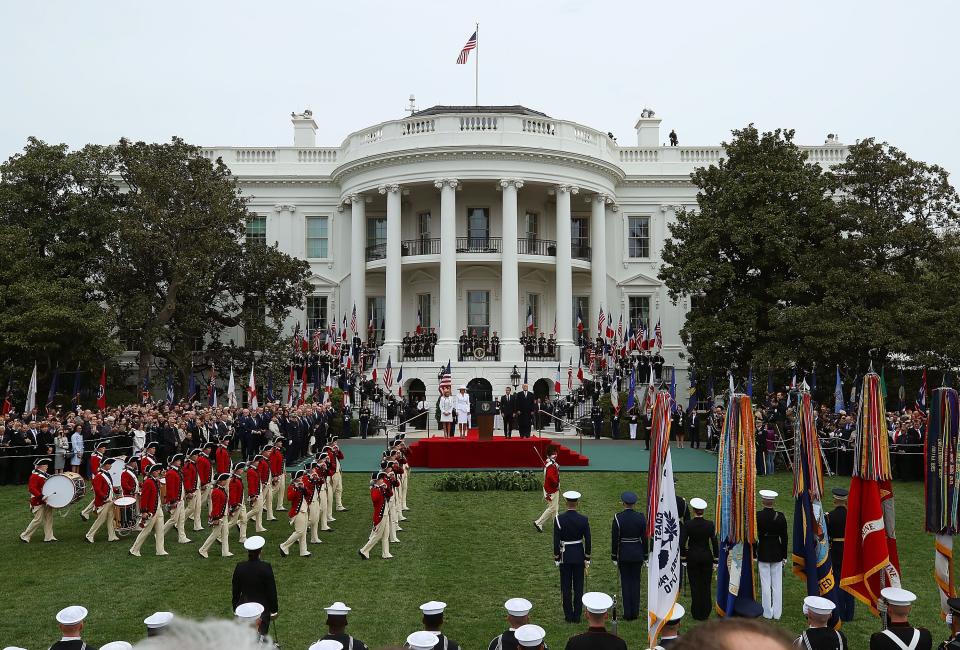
[388,375]
[465,52]
[658,335]
[570,375]
[353,319]
[317,335]
[620,328]
[446,380]
[600,321]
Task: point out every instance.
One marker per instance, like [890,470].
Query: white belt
[579,541]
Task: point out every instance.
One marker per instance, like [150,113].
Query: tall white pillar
[447,334]
[510,349]
[358,262]
[598,256]
[393,302]
[564,271]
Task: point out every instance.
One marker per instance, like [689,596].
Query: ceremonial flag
[145,392]
[579,321]
[317,335]
[570,375]
[446,378]
[371,326]
[642,336]
[601,319]
[609,325]
[529,319]
[102,390]
[191,386]
[388,375]
[303,387]
[940,487]
[400,382]
[631,398]
[296,338]
[170,394]
[693,389]
[343,328]
[212,387]
[620,328]
[579,370]
[353,319]
[658,335]
[232,389]
[556,381]
[614,398]
[75,396]
[270,387]
[922,393]
[838,394]
[7,398]
[750,382]
[31,391]
[52,393]
[419,321]
[252,389]
[328,389]
[471,44]
[554,326]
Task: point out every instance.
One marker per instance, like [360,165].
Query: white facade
[387,215]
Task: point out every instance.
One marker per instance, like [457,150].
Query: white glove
[586,563]
[615,563]
[557,562]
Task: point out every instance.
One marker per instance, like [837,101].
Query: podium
[485,413]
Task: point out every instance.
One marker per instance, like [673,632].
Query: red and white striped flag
[570,375]
[353,319]
[620,328]
[600,321]
[658,335]
[465,52]
[388,375]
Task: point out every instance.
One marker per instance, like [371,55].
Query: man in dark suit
[70,620]
[525,408]
[629,551]
[507,410]
[698,548]
[253,582]
[771,551]
[571,553]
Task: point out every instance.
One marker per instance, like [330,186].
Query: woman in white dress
[447,405]
[76,442]
[463,411]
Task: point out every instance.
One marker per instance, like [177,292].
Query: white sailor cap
[529,636]
[676,614]
[422,640]
[462,387]
[337,609]
[518,606]
[116,645]
[597,602]
[768,494]
[433,607]
[818,605]
[327,644]
[72,615]
[158,620]
[698,504]
[254,543]
[898,596]
[571,495]
[248,612]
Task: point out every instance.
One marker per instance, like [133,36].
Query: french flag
[529,319]
[556,381]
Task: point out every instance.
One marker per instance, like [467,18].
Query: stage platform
[495,453]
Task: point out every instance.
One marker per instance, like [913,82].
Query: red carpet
[471,452]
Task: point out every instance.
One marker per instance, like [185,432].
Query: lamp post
[515,378]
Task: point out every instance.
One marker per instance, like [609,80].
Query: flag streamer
[941,487]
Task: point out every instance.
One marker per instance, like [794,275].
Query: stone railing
[703,156]
[317,155]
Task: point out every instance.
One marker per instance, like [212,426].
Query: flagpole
[476,70]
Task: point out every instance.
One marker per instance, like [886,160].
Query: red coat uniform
[128,483]
[253,482]
[102,488]
[276,463]
[95,460]
[222,456]
[204,469]
[551,478]
[146,460]
[332,455]
[190,477]
[295,495]
[150,496]
[218,503]
[263,470]
[35,486]
[378,496]
[174,485]
[236,492]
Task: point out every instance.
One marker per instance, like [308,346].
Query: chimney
[648,129]
[304,129]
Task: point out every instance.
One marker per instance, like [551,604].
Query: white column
[358,263]
[510,349]
[393,302]
[447,334]
[564,271]
[598,256]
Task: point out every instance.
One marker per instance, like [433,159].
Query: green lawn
[471,550]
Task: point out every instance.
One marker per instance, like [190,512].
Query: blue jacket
[629,537]
[571,538]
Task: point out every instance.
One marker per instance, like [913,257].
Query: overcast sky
[230,73]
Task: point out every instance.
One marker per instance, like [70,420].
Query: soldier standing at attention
[671,629]
[336,626]
[698,548]
[433,621]
[596,416]
[900,635]
[571,553]
[953,620]
[771,551]
[629,552]
[70,620]
[518,615]
[253,582]
[820,636]
[596,637]
[836,529]
[551,486]
[364,419]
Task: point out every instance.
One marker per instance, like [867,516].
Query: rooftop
[505,110]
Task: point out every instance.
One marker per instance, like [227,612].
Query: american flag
[353,319]
[317,335]
[658,335]
[600,321]
[620,328]
[296,338]
[388,375]
[570,374]
[465,52]
[446,380]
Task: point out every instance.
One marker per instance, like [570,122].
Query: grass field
[471,550]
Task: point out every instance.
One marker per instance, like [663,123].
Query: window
[478,312]
[580,238]
[423,226]
[318,237]
[478,227]
[317,316]
[257,231]
[376,231]
[376,306]
[581,306]
[640,312]
[423,304]
[533,302]
[638,236]
[532,226]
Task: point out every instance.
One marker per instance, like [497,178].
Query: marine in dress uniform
[518,615]
[151,513]
[597,637]
[671,629]
[900,635]
[596,416]
[157,623]
[433,622]
[174,500]
[836,529]
[70,620]
[771,551]
[820,635]
[628,551]
[571,553]
[103,490]
[253,582]
[364,414]
[298,515]
[953,620]
[337,625]
[218,518]
[698,548]
[530,637]
[42,513]
[551,488]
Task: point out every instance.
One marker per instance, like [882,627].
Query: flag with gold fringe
[941,487]
[870,560]
[736,505]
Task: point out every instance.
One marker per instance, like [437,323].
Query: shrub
[515,481]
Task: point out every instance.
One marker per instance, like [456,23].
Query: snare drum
[126,513]
[63,489]
[163,490]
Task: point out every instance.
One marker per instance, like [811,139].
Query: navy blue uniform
[571,548]
[629,550]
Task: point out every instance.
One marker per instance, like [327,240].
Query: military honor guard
[337,625]
[103,490]
[771,552]
[221,456]
[191,483]
[900,635]
[336,455]
[151,513]
[298,515]
[253,582]
[551,488]
[518,615]
[129,482]
[218,518]
[237,508]
[530,637]
[422,640]
[571,553]
[836,529]
[70,621]
[597,637]
[699,550]
[953,620]
[278,469]
[629,551]
[174,500]
[596,416]
[205,481]
[379,533]
[94,464]
[148,458]
[433,622]
[820,635]
[310,482]
[671,629]
[41,511]
[255,494]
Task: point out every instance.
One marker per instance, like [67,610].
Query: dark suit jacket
[507,405]
[698,540]
[771,536]
[570,526]
[253,582]
[525,406]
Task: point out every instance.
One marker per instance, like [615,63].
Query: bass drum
[63,489]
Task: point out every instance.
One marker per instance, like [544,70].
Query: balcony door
[478,229]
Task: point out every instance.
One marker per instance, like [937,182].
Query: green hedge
[515,481]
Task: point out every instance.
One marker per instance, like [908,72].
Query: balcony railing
[531,246]
[580,251]
[479,245]
[376,252]
[420,247]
